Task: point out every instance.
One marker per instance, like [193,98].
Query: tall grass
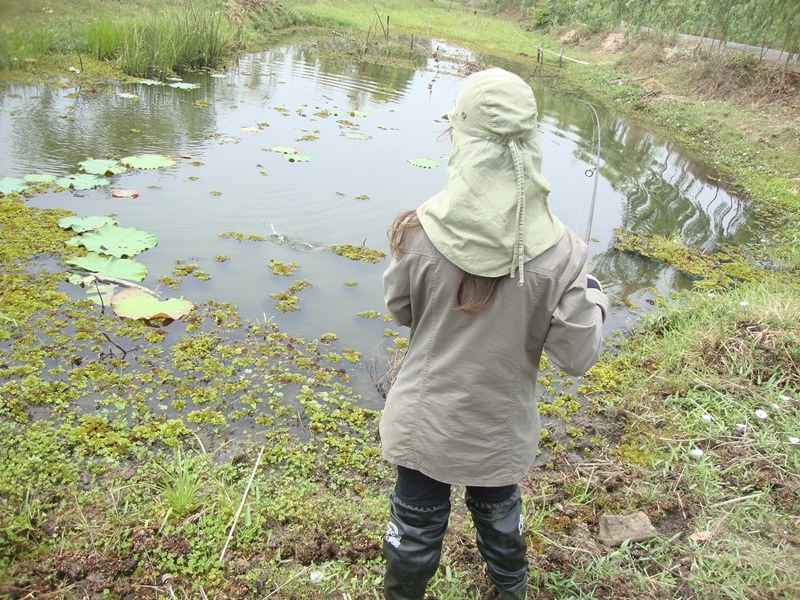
[154,43]
[105,38]
[175,39]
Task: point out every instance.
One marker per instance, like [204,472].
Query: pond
[356,129]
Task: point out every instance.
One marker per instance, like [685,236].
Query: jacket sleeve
[397,290]
[575,339]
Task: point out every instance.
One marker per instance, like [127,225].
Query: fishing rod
[593,172]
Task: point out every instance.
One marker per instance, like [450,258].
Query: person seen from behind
[486,278]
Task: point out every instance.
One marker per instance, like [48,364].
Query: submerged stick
[241,505]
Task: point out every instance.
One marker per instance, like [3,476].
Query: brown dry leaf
[701,536]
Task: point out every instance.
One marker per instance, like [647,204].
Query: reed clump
[166,42]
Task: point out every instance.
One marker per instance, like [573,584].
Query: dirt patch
[614,42]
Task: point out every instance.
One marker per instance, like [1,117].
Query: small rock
[615,529]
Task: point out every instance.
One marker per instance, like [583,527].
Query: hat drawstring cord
[518,258]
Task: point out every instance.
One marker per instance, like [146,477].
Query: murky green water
[348,192]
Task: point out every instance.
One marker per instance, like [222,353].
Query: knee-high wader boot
[412,548]
[501,542]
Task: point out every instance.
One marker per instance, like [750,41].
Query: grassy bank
[696,412]
[141,39]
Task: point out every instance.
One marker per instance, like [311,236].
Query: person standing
[486,278]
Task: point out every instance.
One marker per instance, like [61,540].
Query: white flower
[707,417]
[785,398]
[741,426]
[744,303]
[316,576]
[762,414]
[696,452]
[794,440]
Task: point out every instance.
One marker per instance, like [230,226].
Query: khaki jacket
[462,409]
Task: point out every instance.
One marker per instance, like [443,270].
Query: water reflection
[351,188]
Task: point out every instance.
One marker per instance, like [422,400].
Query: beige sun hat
[493,214]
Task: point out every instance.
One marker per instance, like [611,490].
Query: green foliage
[772,23]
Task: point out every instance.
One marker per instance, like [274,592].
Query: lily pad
[281,149]
[83,181]
[40,178]
[424,163]
[147,161]
[182,85]
[119,268]
[150,82]
[134,303]
[116,241]
[127,95]
[81,224]
[100,166]
[297,157]
[12,185]
[354,135]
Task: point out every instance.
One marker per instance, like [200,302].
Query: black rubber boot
[501,542]
[412,548]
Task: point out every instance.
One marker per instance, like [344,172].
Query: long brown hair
[474,292]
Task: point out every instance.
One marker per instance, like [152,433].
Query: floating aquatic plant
[83,181]
[715,270]
[100,166]
[12,185]
[423,163]
[236,235]
[337,112]
[138,304]
[281,149]
[81,224]
[183,85]
[297,158]
[115,240]
[40,178]
[359,253]
[147,161]
[127,95]
[354,135]
[282,268]
[150,82]
[369,314]
[110,266]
